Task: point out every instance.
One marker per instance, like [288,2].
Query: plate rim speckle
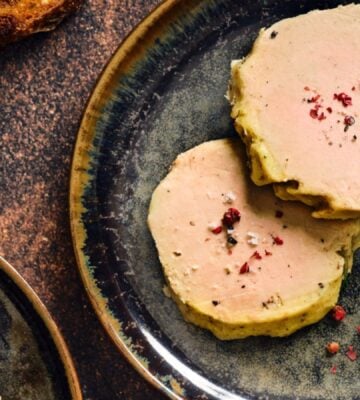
[130,50]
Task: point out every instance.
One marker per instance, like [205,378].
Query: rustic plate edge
[131,47]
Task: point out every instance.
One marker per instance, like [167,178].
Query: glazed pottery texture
[163,93]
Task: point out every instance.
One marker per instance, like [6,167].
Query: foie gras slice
[283,273]
[296,104]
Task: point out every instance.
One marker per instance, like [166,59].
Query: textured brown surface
[44,84]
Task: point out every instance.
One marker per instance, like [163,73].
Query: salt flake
[166,291]
[229,198]
[212,225]
[253,238]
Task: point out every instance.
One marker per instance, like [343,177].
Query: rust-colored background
[44,84]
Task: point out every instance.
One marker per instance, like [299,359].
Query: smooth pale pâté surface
[313,160]
[294,286]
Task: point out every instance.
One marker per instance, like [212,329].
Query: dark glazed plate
[161,94]
[34,361]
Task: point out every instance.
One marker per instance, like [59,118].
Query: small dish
[35,362]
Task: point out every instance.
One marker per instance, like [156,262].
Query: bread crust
[20,18]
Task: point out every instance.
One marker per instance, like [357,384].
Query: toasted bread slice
[21,18]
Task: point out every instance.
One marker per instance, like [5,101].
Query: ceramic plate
[161,94]
[35,363]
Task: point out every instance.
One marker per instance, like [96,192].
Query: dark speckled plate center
[162,94]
